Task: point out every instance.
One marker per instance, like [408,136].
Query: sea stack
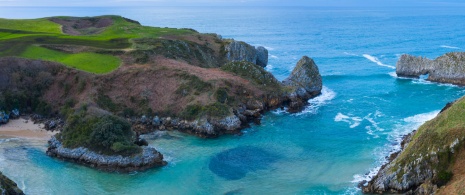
[306,82]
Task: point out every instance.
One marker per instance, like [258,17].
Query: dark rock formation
[4,117]
[449,68]
[148,158]
[237,51]
[8,187]
[306,81]
[262,56]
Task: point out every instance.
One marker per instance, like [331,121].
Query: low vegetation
[442,137]
[106,134]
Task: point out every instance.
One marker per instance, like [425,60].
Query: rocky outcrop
[306,82]
[148,158]
[449,68]
[427,159]
[237,51]
[9,187]
[262,56]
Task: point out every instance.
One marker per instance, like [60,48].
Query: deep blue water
[327,149]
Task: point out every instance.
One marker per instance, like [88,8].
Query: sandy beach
[25,129]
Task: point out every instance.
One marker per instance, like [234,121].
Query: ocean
[340,139]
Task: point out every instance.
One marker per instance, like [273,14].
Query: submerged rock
[148,158]
[234,164]
[306,82]
[238,51]
[448,68]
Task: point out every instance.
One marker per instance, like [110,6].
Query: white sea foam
[350,54]
[268,48]
[450,47]
[377,61]
[269,67]
[393,74]
[395,138]
[426,82]
[352,121]
[324,98]
[273,56]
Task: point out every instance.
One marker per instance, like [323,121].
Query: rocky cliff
[8,187]
[306,82]
[237,51]
[168,79]
[449,68]
[430,159]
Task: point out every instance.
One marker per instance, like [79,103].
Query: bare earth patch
[83,26]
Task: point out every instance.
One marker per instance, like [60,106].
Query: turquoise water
[337,141]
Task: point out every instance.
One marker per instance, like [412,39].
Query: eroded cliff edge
[448,68]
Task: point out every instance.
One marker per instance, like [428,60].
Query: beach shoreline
[23,128]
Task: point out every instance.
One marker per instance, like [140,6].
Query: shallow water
[345,133]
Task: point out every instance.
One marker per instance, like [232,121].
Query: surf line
[377,61]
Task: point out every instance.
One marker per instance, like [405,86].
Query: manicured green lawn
[89,62]
[21,37]
[36,25]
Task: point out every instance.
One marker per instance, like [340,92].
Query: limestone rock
[238,51]
[448,68]
[306,82]
[148,158]
[262,56]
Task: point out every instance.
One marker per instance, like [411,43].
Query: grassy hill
[32,39]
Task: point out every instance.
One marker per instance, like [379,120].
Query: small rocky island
[140,79]
[448,68]
[432,157]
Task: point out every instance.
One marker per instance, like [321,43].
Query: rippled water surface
[327,149]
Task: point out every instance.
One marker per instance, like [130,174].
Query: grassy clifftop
[96,38]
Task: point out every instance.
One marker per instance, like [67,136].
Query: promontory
[103,81]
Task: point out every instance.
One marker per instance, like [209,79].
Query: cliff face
[237,51]
[449,68]
[9,187]
[428,161]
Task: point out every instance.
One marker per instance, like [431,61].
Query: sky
[342,3]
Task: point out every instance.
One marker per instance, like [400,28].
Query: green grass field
[21,37]
[90,62]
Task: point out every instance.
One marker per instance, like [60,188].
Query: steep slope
[431,158]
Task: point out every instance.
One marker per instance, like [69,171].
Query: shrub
[105,134]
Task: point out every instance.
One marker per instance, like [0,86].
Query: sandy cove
[25,129]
